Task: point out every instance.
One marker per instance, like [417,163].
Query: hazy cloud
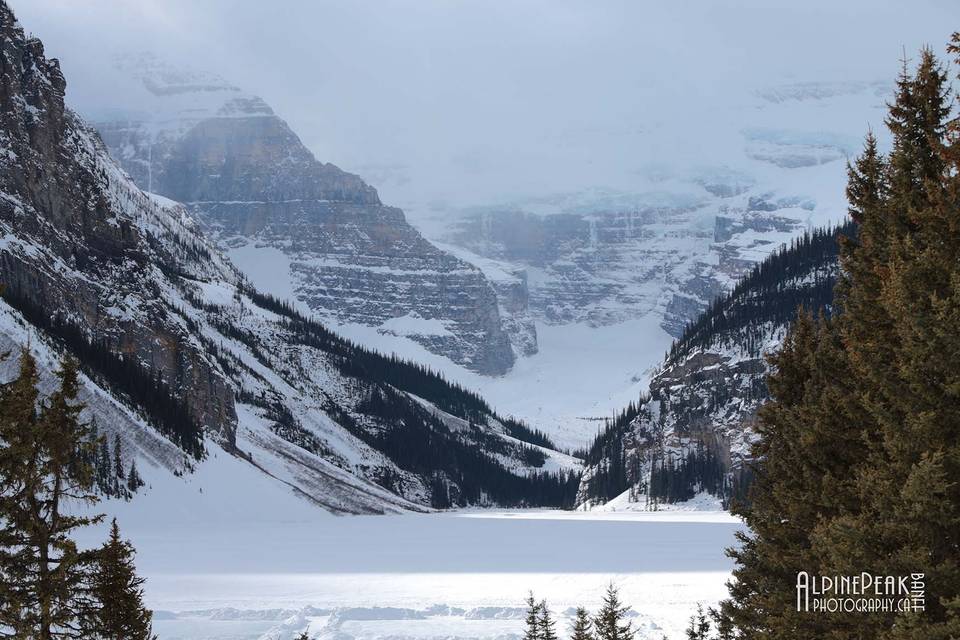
[472,100]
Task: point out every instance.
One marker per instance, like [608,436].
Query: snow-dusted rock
[185,359]
[261,193]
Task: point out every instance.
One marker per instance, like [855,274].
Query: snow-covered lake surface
[451,575]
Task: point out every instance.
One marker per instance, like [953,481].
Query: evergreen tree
[546,624]
[118,459]
[18,416]
[582,628]
[725,628]
[105,475]
[699,627]
[134,481]
[908,516]
[44,574]
[532,631]
[809,444]
[120,613]
[609,622]
[859,448]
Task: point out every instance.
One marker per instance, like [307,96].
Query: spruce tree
[43,571]
[859,447]
[134,481]
[582,628]
[118,459]
[546,624]
[907,519]
[699,626]
[18,417]
[806,459]
[532,621]
[120,613]
[609,622]
[105,477]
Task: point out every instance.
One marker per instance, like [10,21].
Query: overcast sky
[511,97]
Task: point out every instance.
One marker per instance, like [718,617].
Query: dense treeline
[462,467]
[145,391]
[358,362]
[111,477]
[608,458]
[681,478]
[802,274]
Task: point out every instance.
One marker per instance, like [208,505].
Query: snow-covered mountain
[289,221]
[705,394]
[614,273]
[604,256]
[188,363]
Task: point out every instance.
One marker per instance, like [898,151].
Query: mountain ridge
[275,209]
[703,397]
[94,267]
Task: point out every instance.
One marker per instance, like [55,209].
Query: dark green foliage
[694,471]
[118,459]
[361,363]
[606,454]
[532,621]
[49,588]
[42,572]
[120,613]
[699,627]
[460,465]
[610,623]
[107,479]
[768,295]
[582,628]
[545,624]
[859,449]
[134,481]
[419,442]
[522,431]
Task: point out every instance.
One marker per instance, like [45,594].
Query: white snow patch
[412,324]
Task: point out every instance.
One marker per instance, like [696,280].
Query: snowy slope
[176,342]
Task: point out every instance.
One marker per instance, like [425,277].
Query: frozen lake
[452,575]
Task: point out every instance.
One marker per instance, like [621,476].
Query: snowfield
[219,568]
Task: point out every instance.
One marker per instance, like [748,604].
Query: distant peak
[162,78]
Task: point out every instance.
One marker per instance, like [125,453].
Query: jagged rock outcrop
[183,357]
[284,216]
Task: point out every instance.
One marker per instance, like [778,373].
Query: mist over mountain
[609,171]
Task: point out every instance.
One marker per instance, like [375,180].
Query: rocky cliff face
[610,261]
[183,357]
[679,229]
[707,391]
[285,217]
[79,239]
